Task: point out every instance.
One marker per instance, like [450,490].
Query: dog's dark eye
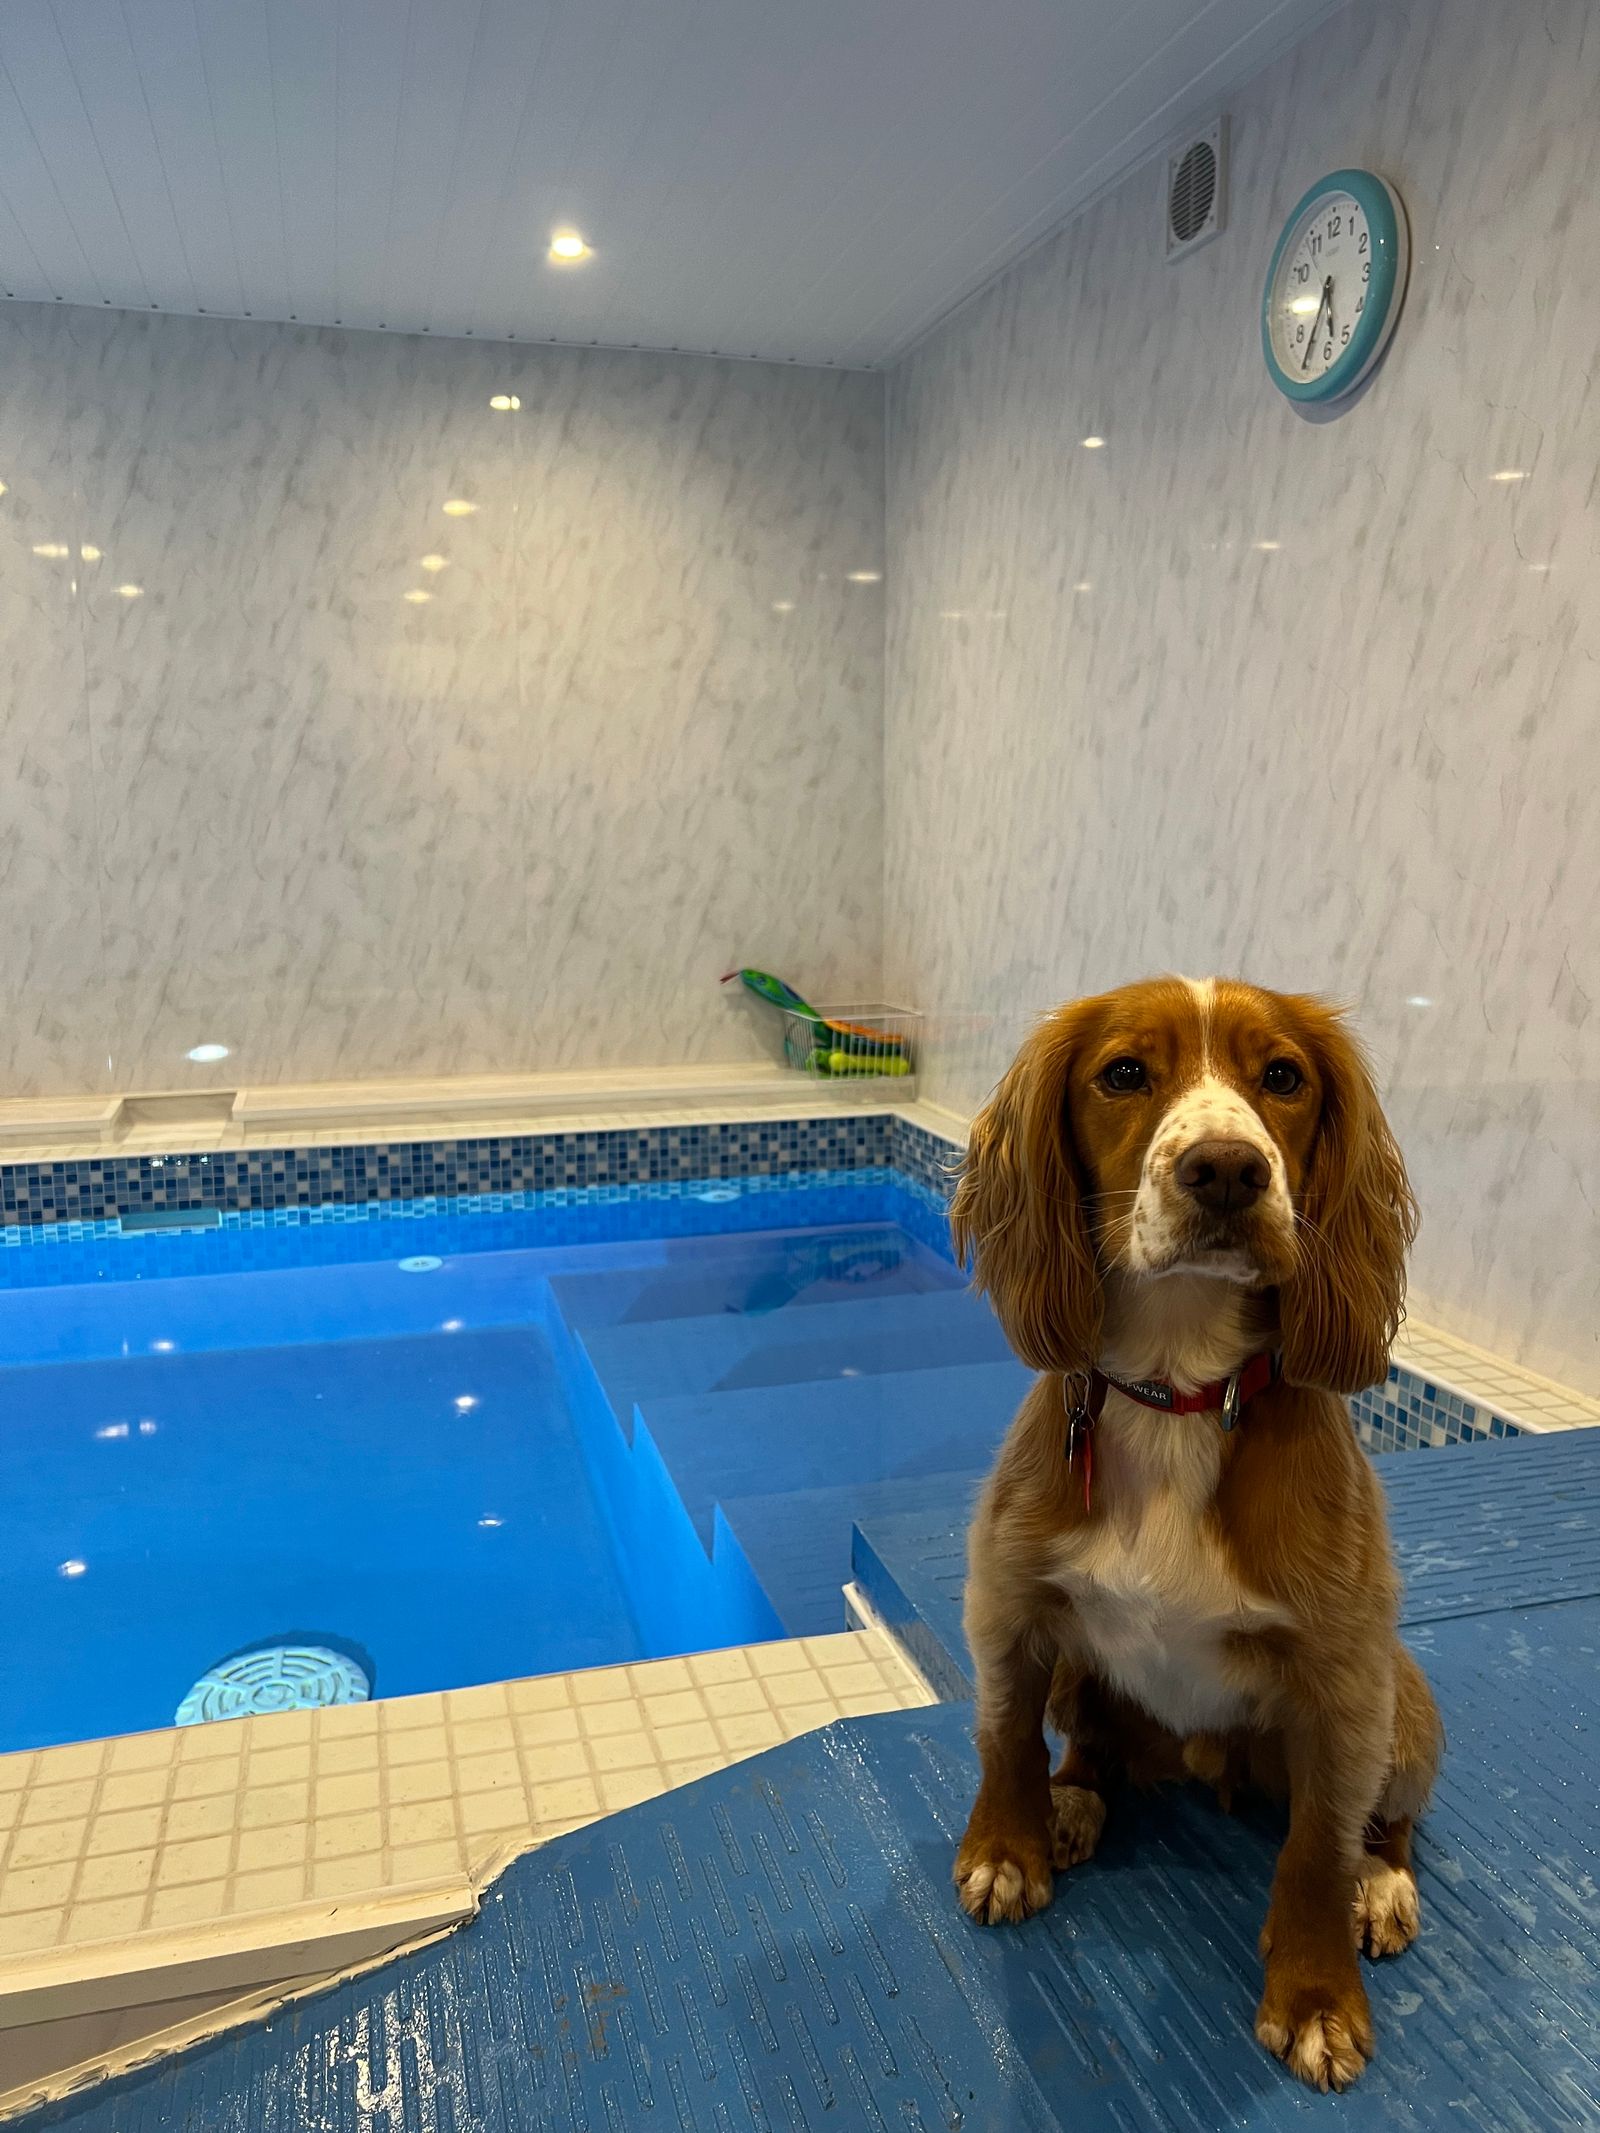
[1125,1076]
[1282,1078]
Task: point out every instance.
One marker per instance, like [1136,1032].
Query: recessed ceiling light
[490,1522]
[1267,547]
[1094,444]
[505,403]
[417,596]
[72,1568]
[54,550]
[864,577]
[206,1054]
[567,245]
[130,592]
[89,555]
[1504,474]
[465,1402]
[436,562]
[458,507]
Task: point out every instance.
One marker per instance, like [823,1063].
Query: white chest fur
[1154,1597]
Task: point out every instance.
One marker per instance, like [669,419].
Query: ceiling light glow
[1094,444]
[436,562]
[458,507]
[865,577]
[416,596]
[505,403]
[567,245]
[206,1054]
[130,592]
[1502,474]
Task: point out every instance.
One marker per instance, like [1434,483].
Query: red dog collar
[1225,1396]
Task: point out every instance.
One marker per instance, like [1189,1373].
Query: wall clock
[1335,286]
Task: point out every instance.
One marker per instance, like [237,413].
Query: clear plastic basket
[857,1043]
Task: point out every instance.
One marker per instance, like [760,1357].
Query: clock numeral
[1366,270]
[1303,271]
[1299,335]
[1361,305]
[1335,225]
[1327,352]
[1362,245]
[1316,242]
[1344,337]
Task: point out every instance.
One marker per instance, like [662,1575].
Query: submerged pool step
[668,1357]
[799,1545]
[774,1272]
[780,1439]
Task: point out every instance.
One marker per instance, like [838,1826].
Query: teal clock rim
[1370,194]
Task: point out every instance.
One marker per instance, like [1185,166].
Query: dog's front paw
[1322,2031]
[1002,1880]
[1079,1816]
[1388,1915]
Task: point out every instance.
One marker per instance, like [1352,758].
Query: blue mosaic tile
[97,1188]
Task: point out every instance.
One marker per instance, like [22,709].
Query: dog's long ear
[1017,1215]
[1343,1306]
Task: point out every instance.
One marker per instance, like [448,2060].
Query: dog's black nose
[1225,1176]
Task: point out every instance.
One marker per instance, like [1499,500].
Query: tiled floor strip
[111,1840]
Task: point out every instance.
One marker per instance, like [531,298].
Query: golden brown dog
[1184,1196]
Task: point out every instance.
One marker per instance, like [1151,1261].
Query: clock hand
[1311,337]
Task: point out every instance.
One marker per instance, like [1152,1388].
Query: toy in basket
[830,1045]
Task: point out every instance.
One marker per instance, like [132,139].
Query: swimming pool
[467,1444]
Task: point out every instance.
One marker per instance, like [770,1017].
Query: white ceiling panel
[813,181]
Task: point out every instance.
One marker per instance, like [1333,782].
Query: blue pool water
[468,1444]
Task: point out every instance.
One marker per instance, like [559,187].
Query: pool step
[787,1438]
[773,1272]
[669,1357]
[799,1545]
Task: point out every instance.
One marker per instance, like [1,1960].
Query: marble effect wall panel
[1316,703]
[632,734]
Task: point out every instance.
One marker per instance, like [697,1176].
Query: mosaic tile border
[1410,1413]
[98,1188]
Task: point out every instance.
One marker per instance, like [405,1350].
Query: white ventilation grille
[1194,195]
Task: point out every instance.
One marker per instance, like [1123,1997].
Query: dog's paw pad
[1080,1816]
[1324,2046]
[1000,1889]
[1388,1914]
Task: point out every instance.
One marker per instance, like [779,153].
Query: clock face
[1335,286]
[1324,279]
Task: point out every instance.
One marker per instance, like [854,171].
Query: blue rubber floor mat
[778,1947]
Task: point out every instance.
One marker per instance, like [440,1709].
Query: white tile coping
[316,1114]
[213,1860]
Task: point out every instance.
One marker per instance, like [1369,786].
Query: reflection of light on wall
[458,507]
[416,596]
[52,551]
[505,403]
[436,562]
[567,246]
[131,592]
[206,1054]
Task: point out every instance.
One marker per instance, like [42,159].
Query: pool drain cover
[274,1677]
